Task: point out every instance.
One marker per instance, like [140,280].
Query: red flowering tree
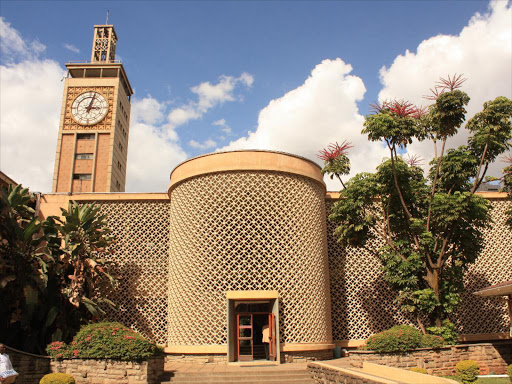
[430,225]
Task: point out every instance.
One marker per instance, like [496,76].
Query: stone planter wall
[326,374]
[111,371]
[492,357]
[305,356]
[31,368]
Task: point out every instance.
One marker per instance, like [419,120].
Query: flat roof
[501,289]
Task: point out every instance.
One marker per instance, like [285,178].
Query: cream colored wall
[246,161]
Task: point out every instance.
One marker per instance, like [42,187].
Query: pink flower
[334,150]
[75,352]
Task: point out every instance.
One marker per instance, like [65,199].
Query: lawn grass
[486,380]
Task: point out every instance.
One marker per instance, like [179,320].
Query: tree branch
[434,184]
[477,183]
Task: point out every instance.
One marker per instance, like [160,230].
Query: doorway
[247,322]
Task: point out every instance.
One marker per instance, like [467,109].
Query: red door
[244,334]
[272,336]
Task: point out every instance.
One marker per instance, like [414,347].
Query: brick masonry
[196,359]
[305,356]
[492,357]
[31,368]
[110,371]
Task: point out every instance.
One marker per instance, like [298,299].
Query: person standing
[266,340]
[7,374]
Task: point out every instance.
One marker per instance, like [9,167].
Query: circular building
[248,268]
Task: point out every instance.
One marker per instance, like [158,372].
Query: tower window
[83,156]
[85,136]
[119,165]
[82,176]
[120,147]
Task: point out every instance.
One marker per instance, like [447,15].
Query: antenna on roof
[106,22]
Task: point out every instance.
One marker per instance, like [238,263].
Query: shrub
[400,338]
[419,370]
[57,378]
[58,350]
[111,341]
[432,341]
[105,341]
[446,331]
[467,370]
[509,372]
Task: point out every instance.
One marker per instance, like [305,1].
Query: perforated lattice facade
[141,253]
[264,231]
[362,303]
[248,231]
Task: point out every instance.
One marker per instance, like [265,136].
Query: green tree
[52,271]
[507,185]
[430,225]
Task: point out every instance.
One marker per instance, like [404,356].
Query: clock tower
[92,147]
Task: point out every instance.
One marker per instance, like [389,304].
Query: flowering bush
[105,341]
[400,338]
[58,350]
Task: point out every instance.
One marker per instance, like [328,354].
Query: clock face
[89,108]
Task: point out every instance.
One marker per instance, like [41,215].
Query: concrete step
[241,380]
[270,376]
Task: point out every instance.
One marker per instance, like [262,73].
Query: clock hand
[90,104]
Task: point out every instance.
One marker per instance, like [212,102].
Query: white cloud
[482,52]
[30,103]
[204,145]
[153,151]
[208,96]
[71,47]
[222,124]
[12,45]
[321,111]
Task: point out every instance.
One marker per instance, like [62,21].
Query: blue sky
[169,47]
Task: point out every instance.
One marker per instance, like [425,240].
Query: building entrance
[256,332]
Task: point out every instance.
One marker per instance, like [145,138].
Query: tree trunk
[433,282]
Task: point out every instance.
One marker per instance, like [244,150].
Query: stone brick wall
[492,357]
[304,356]
[110,371]
[31,368]
[196,359]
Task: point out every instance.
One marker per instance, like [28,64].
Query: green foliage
[57,378]
[433,341]
[448,113]
[507,182]
[86,238]
[509,372]
[52,271]
[105,341]
[447,331]
[430,227]
[401,338]
[419,370]
[467,371]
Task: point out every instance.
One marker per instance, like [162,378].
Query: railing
[95,62]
